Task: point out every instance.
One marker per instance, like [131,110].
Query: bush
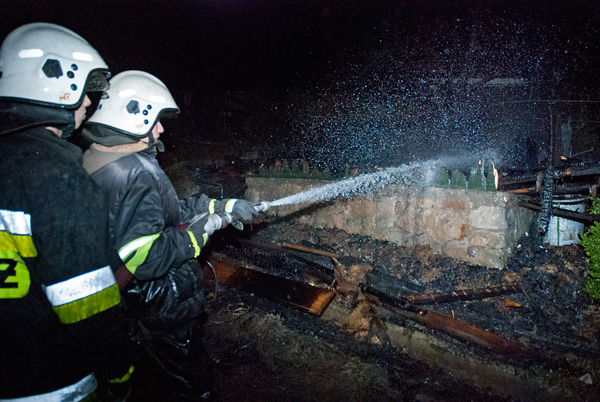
[591,243]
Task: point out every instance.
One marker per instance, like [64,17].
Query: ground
[275,355]
[267,351]
[553,319]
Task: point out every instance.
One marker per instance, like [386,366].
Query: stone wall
[479,227]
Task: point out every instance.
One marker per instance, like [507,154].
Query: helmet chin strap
[152,139]
[155,143]
[70,127]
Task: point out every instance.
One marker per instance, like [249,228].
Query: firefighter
[145,222]
[60,307]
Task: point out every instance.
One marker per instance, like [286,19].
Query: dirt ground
[276,355]
[267,351]
[262,351]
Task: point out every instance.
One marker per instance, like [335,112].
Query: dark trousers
[178,357]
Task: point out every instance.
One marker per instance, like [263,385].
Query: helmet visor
[97,81]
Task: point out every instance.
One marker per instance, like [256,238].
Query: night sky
[231,43]
[369,64]
[240,43]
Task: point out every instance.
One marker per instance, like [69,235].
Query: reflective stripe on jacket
[74,299]
[59,313]
[71,393]
[81,297]
[144,216]
[134,253]
[144,212]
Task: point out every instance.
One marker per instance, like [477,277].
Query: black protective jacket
[144,218]
[60,313]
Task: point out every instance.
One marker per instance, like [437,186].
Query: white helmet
[48,64]
[133,104]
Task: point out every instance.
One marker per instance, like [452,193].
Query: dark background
[343,82]
[225,43]
[241,43]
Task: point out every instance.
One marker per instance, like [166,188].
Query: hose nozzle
[262,206]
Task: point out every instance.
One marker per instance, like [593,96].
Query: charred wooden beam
[466,294]
[584,177]
[305,296]
[288,247]
[573,188]
[576,216]
[262,244]
[464,331]
[311,250]
[570,188]
[451,326]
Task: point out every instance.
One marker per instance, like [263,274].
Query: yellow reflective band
[134,253]
[80,286]
[14,276]
[229,205]
[125,378]
[22,244]
[211,206]
[87,307]
[197,248]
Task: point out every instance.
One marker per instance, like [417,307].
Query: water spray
[416,174]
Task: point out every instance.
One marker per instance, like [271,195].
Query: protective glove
[208,223]
[239,225]
[239,209]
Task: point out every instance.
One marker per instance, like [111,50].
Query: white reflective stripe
[158,99]
[83,56]
[81,286]
[29,53]
[72,393]
[126,93]
[134,245]
[229,205]
[15,222]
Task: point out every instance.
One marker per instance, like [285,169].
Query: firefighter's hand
[239,209]
[208,223]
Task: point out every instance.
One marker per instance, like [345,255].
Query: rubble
[551,324]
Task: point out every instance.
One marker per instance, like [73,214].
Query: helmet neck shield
[110,137]
[107,136]
[17,116]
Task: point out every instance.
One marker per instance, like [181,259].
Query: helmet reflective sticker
[47,64]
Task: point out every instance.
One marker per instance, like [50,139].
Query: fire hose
[262,206]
